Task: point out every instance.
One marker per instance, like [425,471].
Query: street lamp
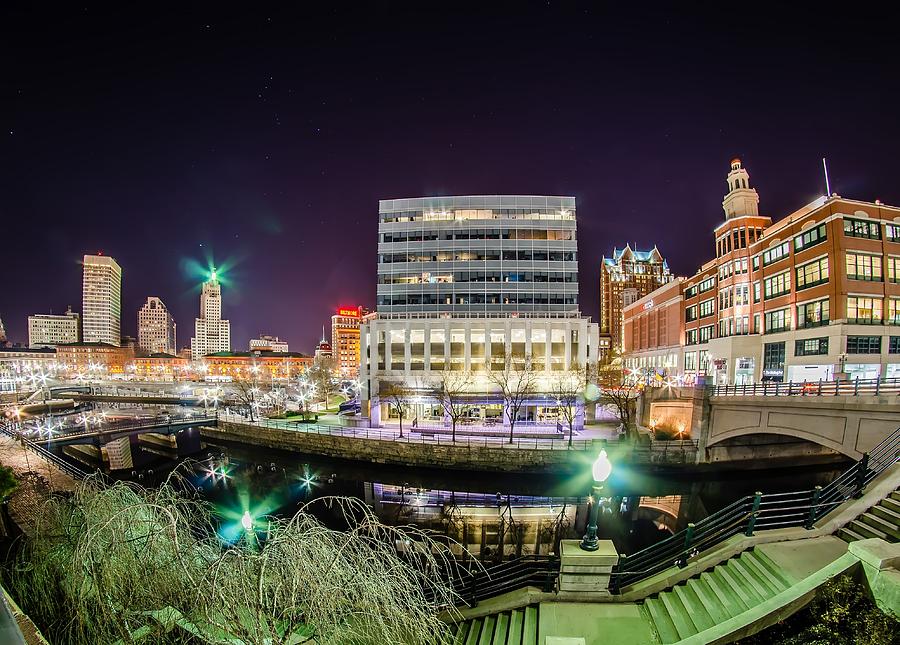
[247,521]
[600,471]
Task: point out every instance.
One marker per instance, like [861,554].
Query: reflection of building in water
[662,511]
[118,453]
[486,525]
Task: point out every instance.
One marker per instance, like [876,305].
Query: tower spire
[741,200]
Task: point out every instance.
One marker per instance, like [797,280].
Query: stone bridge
[734,428]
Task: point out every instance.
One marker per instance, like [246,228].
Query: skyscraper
[156,328]
[211,333]
[345,339]
[625,278]
[101,300]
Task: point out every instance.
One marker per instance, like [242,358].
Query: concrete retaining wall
[462,457]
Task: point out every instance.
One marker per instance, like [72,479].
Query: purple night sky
[266,138]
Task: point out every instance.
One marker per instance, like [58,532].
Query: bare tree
[516,386]
[450,395]
[247,394]
[321,374]
[395,395]
[622,400]
[568,388]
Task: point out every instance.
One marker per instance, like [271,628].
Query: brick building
[813,296]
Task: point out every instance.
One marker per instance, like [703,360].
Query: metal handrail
[845,387]
[774,510]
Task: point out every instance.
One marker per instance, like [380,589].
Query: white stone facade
[211,333]
[156,328]
[48,330]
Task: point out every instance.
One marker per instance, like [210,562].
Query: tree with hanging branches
[123,564]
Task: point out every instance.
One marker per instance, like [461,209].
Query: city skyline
[276,160]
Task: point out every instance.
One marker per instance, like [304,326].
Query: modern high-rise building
[101,313]
[268,343]
[815,295]
[211,333]
[2,333]
[345,339]
[624,278]
[48,330]
[471,284]
[156,328]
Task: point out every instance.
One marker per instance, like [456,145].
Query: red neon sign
[346,311]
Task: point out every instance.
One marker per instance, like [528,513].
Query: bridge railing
[14,430]
[425,439]
[842,387]
[754,512]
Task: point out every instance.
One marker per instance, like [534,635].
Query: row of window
[774,353]
[479,255]
[476,213]
[738,239]
[476,298]
[860,310]
[733,267]
[479,234]
[478,276]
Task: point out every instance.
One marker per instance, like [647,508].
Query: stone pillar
[375,413]
[586,571]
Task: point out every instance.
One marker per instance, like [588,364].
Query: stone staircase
[515,627]
[880,521]
[717,595]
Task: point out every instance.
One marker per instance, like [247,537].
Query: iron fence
[754,512]
[424,439]
[843,387]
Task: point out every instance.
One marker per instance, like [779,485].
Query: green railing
[755,512]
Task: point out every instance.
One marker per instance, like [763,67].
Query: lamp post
[600,471]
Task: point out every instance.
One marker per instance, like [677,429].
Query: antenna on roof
[827,184]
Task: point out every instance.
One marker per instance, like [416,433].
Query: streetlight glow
[602,467]
[247,521]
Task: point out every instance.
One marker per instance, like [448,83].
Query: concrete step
[896,495]
[890,530]
[530,628]
[772,584]
[772,568]
[462,631]
[891,504]
[487,630]
[751,585]
[661,620]
[713,604]
[732,582]
[474,631]
[679,615]
[893,517]
[866,530]
[730,601]
[501,629]
[701,618]
[516,623]
[847,534]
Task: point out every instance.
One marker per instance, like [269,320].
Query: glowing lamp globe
[247,521]
[601,468]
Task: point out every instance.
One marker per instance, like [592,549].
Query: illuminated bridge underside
[846,425]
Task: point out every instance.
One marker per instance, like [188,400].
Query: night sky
[263,139]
